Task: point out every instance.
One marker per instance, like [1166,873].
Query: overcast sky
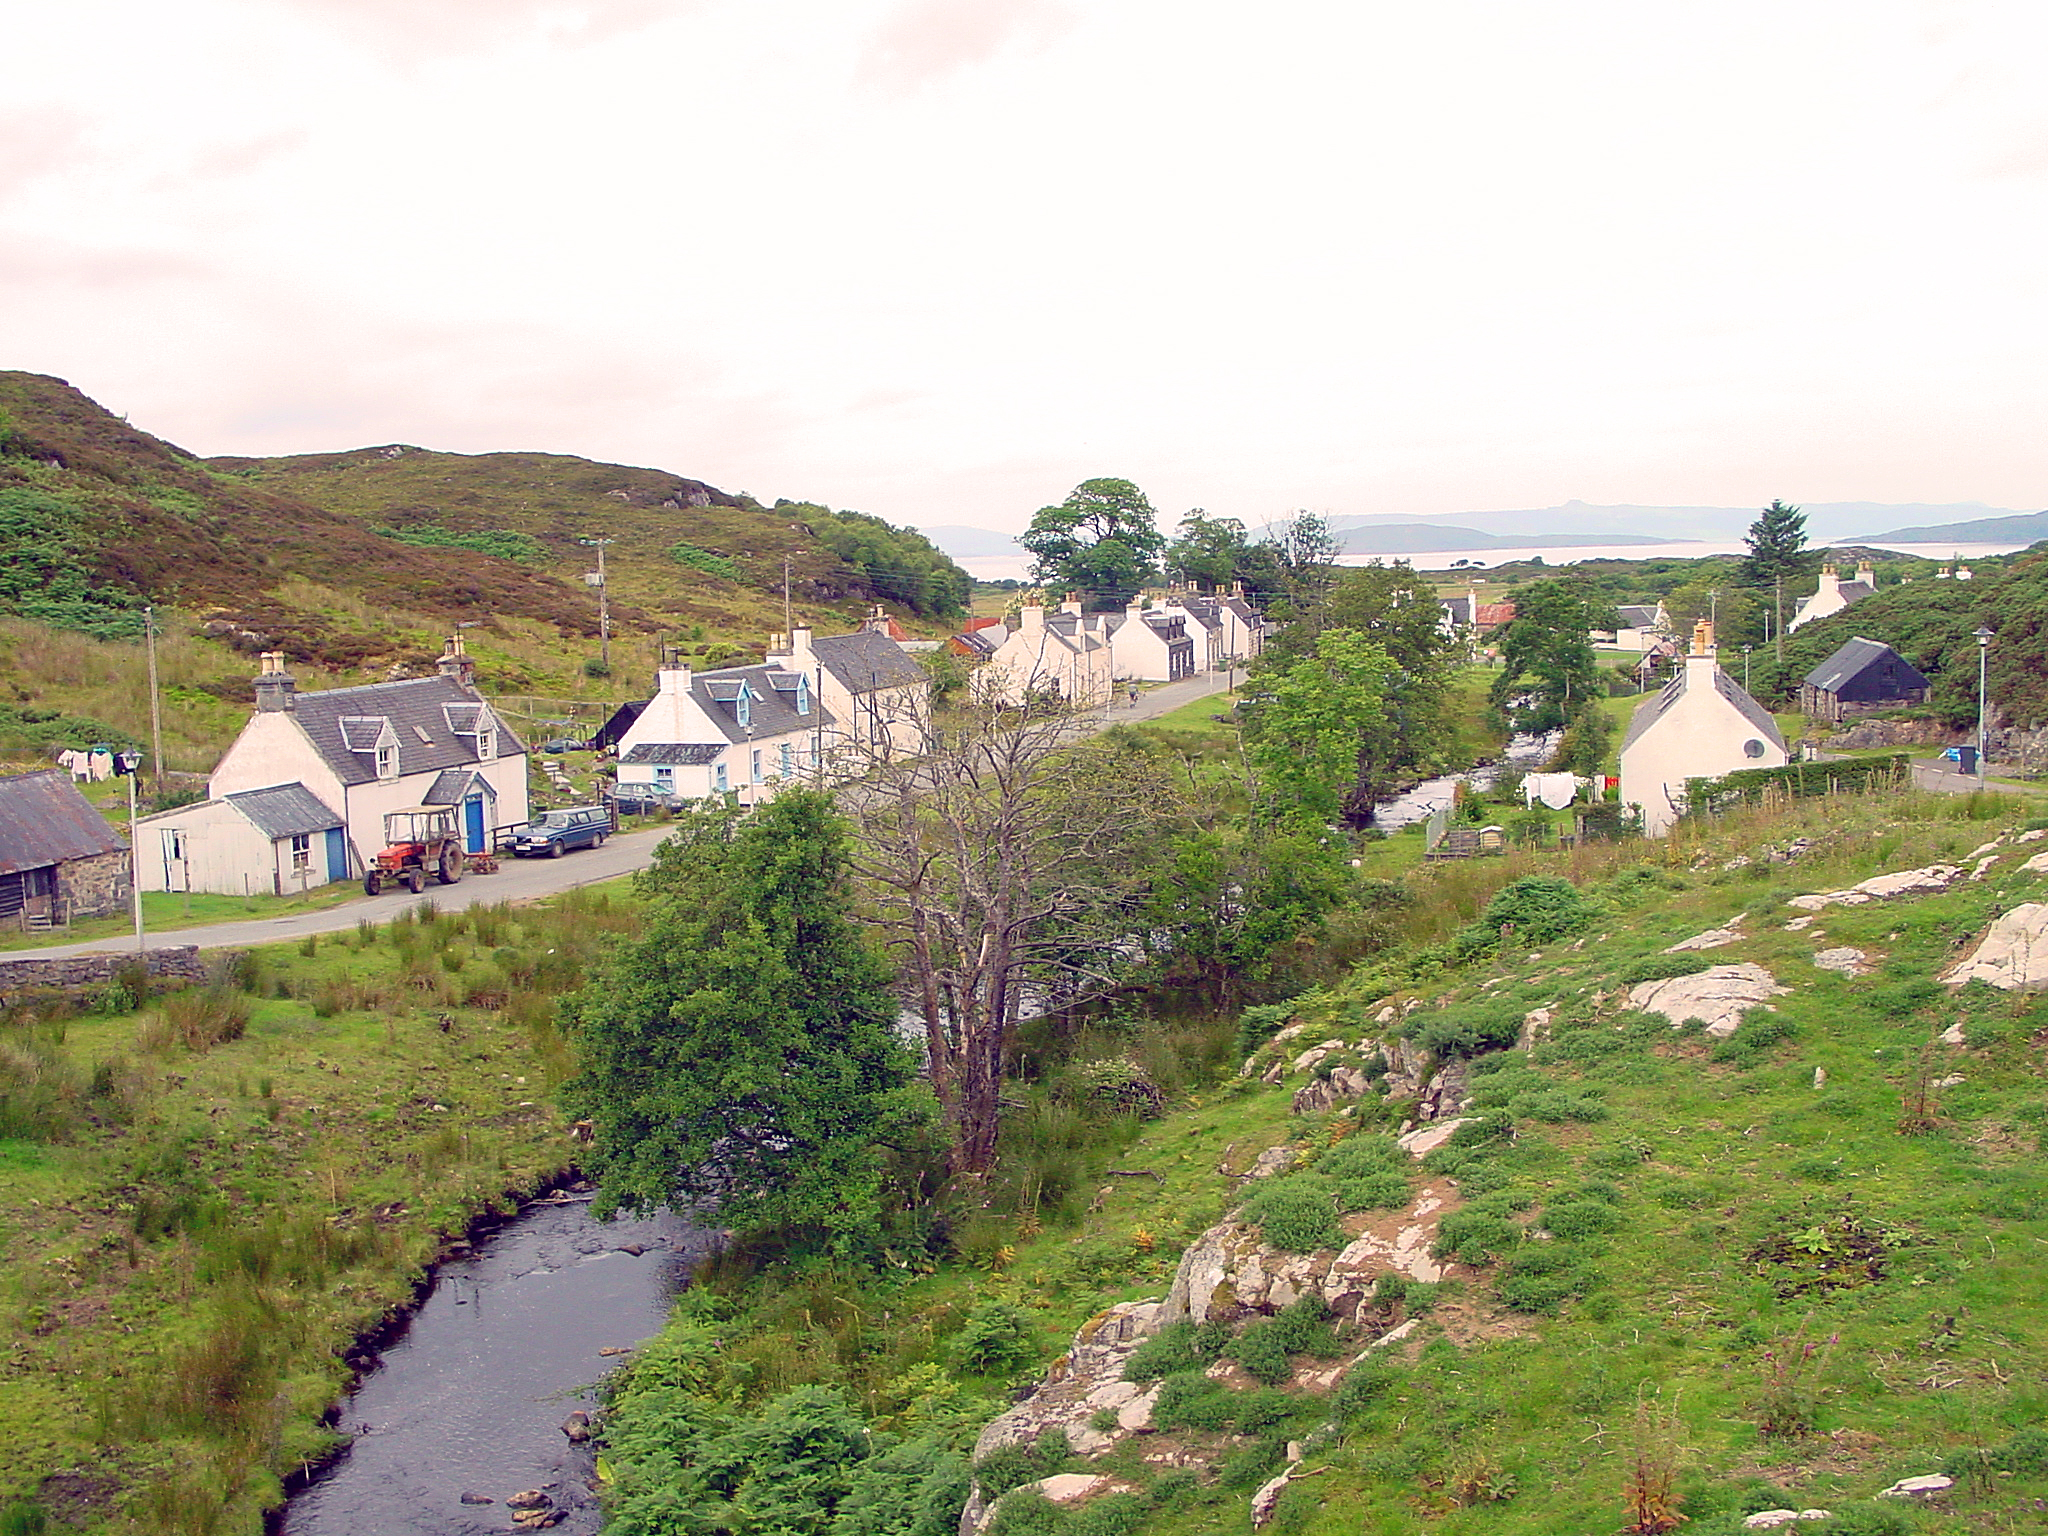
[941,259]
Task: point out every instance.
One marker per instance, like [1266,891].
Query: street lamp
[1745,669]
[1983,741]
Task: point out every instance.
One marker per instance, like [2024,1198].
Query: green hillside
[358,565]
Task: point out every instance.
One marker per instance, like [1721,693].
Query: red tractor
[419,842]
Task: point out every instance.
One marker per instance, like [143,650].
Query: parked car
[554,833]
[564,744]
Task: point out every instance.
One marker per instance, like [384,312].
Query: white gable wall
[1700,735]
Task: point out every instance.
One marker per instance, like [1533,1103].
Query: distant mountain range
[1578,524]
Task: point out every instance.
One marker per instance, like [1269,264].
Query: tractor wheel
[373,882]
[556,850]
[415,881]
[451,866]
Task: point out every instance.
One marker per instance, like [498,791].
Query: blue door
[337,854]
[473,822]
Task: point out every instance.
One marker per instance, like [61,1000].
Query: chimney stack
[455,662]
[275,689]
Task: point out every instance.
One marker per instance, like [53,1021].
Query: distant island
[2024,526]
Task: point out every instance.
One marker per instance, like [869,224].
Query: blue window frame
[788,763]
[743,706]
[719,782]
[803,694]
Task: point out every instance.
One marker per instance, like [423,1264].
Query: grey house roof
[284,810]
[1637,615]
[1857,657]
[1653,710]
[417,710]
[865,660]
[674,754]
[773,708]
[451,787]
[44,820]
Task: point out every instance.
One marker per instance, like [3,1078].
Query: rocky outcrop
[1718,997]
[1328,1092]
[2013,955]
[1713,938]
[1905,882]
[1083,1382]
[1844,961]
[1066,1489]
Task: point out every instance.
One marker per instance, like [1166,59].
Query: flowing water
[470,1397]
[1523,754]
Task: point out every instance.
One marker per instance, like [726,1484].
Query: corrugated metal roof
[284,810]
[44,820]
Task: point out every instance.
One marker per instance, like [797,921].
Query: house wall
[1700,736]
[95,886]
[274,749]
[224,854]
[1136,651]
[363,806]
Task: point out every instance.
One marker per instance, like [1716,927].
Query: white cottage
[1153,645]
[1065,656]
[279,841]
[872,689]
[1702,725]
[743,730]
[382,747]
[1834,594]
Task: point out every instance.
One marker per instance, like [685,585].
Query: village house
[1065,656]
[1642,626]
[873,691]
[59,860]
[1701,725]
[362,752]
[1151,645]
[278,842]
[740,730]
[1834,594]
[1863,675]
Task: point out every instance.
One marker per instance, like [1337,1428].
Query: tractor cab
[419,841]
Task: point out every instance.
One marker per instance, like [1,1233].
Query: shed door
[473,823]
[337,854]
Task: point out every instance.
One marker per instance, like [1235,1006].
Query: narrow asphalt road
[517,880]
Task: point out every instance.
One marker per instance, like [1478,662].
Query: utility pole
[1778,608]
[156,708]
[604,602]
[785,594]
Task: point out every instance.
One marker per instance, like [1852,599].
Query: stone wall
[178,963]
[96,886]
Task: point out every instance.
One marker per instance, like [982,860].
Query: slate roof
[1459,609]
[1857,657]
[1637,615]
[44,820]
[451,787]
[864,661]
[674,753]
[284,810]
[418,712]
[717,693]
[1649,713]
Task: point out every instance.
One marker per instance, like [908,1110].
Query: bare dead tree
[1008,858]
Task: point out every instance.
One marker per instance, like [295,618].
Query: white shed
[275,842]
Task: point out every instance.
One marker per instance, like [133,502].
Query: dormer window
[487,742]
[743,706]
[387,760]
[803,694]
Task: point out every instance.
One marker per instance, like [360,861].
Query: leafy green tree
[1548,670]
[1103,540]
[1227,902]
[1778,558]
[1308,722]
[741,1051]
[1214,553]
[1717,593]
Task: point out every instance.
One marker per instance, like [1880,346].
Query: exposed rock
[1535,1028]
[1426,1139]
[1981,849]
[1771,1519]
[1847,961]
[2013,955]
[1267,1499]
[1271,1161]
[1953,1080]
[476,1498]
[577,1427]
[1447,1092]
[2032,837]
[531,1498]
[1799,923]
[1797,848]
[1309,1059]
[1063,1488]
[1983,867]
[1905,882]
[1326,1093]
[1953,1035]
[1082,1383]
[1717,997]
[1918,1487]
[2036,865]
[1820,1077]
[1713,938]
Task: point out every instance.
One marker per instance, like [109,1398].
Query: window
[788,760]
[743,706]
[1752,748]
[387,760]
[664,780]
[803,694]
[718,779]
[756,765]
[487,742]
[302,853]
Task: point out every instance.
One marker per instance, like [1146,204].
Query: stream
[1523,754]
[469,1397]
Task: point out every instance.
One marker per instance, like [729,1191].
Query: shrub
[1190,1400]
[1297,1212]
[996,1337]
[1120,1085]
[198,1018]
[1540,909]
[1386,1190]
[1476,1237]
[1357,1157]
[1370,1381]
[1182,1346]
[1012,1466]
[1573,1219]
[1544,1275]
[1870,1518]
[1469,1033]
[704,560]
[1750,1043]
[1258,1024]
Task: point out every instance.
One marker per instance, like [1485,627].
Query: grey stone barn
[59,859]
[1863,675]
